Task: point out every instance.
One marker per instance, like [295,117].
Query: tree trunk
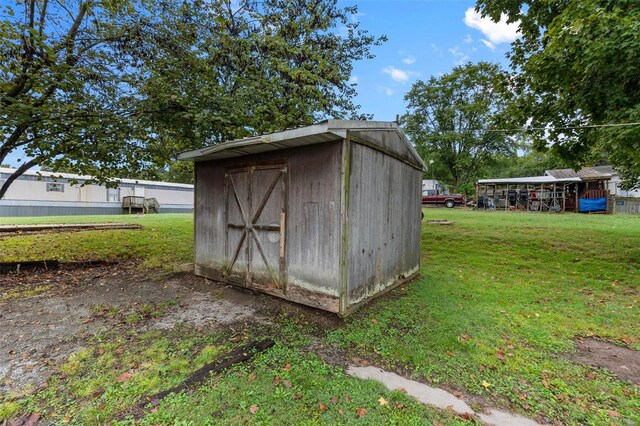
[19,172]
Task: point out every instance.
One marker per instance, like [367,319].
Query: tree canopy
[112,88]
[447,117]
[578,78]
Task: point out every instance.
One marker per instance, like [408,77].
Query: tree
[447,119]
[113,88]
[578,65]
[261,67]
[527,163]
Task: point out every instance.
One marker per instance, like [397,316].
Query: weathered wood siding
[383,221]
[625,205]
[313,221]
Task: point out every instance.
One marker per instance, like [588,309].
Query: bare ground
[47,315]
[622,362]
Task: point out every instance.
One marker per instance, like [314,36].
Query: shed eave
[325,131]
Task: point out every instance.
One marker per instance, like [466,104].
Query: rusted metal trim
[361,141]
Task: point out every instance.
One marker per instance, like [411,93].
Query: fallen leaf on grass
[486,384]
[341,411]
[627,340]
[373,320]
[347,398]
[119,351]
[383,401]
[276,380]
[361,412]
[334,399]
[287,366]
[253,409]
[124,377]
[465,338]
[545,384]
[286,384]
[613,413]
[322,406]
[251,377]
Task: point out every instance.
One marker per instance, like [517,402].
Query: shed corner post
[344,214]
[195,212]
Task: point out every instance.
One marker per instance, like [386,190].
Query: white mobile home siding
[31,195]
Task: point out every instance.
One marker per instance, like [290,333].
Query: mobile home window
[55,187]
[113,194]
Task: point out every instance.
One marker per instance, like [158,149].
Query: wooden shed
[326,215]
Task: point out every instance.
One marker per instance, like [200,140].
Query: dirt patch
[48,315]
[40,329]
[622,362]
[9,230]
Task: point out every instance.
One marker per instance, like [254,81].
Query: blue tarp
[593,204]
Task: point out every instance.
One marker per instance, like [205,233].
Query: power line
[528,129]
[586,126]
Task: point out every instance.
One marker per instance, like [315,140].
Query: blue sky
[426,38]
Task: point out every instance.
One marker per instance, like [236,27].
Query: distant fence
[625,205]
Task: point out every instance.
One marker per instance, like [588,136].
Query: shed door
[256,212]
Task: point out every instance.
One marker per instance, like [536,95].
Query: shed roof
[529,180]
[587,173]
[326,131]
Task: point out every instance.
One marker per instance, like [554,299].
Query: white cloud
[401,76]
[386,90]
[468,39]
[436,49]
[489,44]
[496,32]
[353,79]
[409,60]
[355,16]
[459,55]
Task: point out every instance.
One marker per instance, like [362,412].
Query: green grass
[284,385]
[165,241]
[501,295]
[500,299]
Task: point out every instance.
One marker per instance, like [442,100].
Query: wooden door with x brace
[255,205]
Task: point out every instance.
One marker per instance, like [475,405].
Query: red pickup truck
[448,200]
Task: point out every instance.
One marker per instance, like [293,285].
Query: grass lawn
[500,299]
[165,241]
